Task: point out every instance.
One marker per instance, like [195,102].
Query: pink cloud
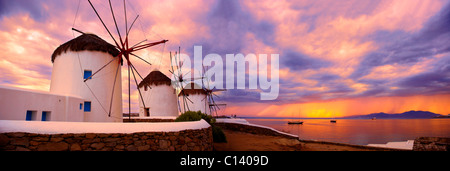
[338,32]
[25,53]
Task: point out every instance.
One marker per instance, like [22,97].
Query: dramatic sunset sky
[337,58]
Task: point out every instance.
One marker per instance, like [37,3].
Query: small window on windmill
[145,88]
[87,106]
[87,74]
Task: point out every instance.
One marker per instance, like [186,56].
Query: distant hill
[405,115]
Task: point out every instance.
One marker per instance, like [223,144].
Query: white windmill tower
[74,62]
[193,99]
[158,95]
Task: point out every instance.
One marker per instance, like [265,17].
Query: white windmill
[192,96]
[182,82]
[158,95]
[89,67]
[75,61]
[209,101]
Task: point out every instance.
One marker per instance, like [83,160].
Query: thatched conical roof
[89,42]
[192,89]
[155,78]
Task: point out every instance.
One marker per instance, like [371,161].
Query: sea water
[360,131]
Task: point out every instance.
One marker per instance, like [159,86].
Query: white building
[159,96]
[70,97]
[195,99]
[32,105]
[77,60]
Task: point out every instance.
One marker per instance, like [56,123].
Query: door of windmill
[147,112]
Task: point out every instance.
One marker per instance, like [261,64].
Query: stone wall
[252,129]
[187,140]
[431,144]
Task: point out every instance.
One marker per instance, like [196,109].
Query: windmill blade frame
[124,50]
[213,106]
[179,81]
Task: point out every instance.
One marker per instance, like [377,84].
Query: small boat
[374,118]
[295,122]
[333,121]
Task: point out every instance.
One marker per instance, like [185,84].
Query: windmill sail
[210,94]
[121,48]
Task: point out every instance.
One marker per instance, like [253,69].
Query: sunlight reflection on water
[361,131]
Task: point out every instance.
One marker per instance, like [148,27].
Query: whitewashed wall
[15,102]
[161,100]
[67,79]
[198,103]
